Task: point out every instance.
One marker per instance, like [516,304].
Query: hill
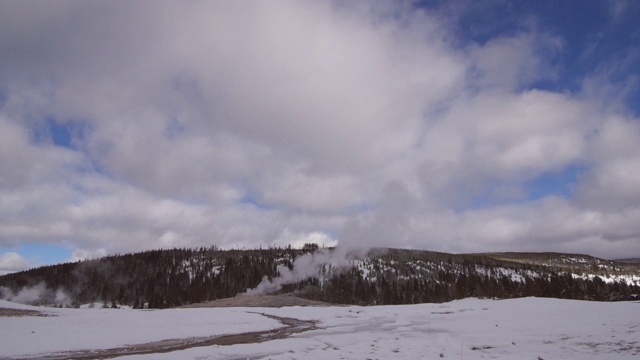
[177,277]
[630,261]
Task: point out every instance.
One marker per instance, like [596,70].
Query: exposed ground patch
[6,312]
[243,300]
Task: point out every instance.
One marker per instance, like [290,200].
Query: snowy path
[528,328]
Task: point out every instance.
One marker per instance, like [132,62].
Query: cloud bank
[12,262]
[127,126]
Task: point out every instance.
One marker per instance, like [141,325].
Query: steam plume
[304,267]
[38,294]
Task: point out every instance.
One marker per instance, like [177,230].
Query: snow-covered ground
[530,328]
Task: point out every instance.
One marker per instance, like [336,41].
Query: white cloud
[613,180]
[12,262]
[310,193]
[299,239]
[86,254]
[505,139]
[514,62]
[246,124]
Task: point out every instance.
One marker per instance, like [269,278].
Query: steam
[389,220]
[304,267]
[38,294]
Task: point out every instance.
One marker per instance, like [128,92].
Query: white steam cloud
[38,294]
[304,267]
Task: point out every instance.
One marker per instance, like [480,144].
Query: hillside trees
[168,278]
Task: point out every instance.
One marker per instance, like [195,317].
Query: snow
[528,328]
[81,329]
[628,279]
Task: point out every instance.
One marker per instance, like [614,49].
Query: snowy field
[529,328]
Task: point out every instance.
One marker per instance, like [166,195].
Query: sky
[455,126]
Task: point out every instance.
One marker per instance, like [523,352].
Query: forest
[170,278]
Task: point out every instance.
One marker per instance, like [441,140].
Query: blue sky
[41,254]
[461,126]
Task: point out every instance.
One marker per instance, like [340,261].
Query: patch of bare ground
[619,346]
[6,312]
[291,326]
[244,300]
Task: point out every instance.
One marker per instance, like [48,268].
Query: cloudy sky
[456,126]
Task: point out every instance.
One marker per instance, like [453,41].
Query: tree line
[169,278]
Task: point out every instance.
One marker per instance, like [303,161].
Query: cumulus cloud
[298,239]
[612,180]
[12,262]
[248,124]
[514,62]
[84,254]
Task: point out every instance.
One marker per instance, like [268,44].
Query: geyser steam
[38,294]
[304,267]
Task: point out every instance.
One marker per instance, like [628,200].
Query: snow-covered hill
[169,278]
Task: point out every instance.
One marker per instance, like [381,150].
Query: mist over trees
[168,278]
